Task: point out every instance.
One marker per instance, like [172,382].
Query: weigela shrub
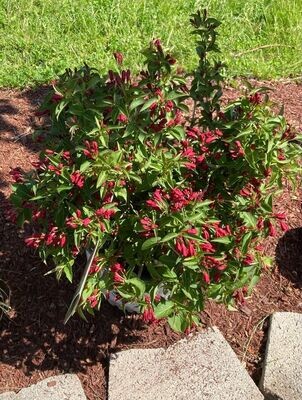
[174,204]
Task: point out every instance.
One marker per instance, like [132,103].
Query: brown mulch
[34,342]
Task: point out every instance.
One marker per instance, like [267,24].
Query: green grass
[40,38]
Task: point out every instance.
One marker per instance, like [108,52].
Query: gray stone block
[7,396]
[61,387]
[202,367]
[282,372]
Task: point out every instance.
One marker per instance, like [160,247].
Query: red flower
[157,201]
[271,229]
[117,278]
[62,240]
[86,221]
[221,232]
[148,224]
[148,315]
[169,105]
[207,247]
[51,237]
[212,262]
[56,98]
[206,277]
[245,192]
[118,57]
[105,213]
[192,231]
[16,174]
[205,233]
[38,214]
[248,260]
[187,249]
[117,267]
[93,299]
[255,98]
[94,268]
[57,170]
[66,155]
[75,251]
[279,215]
[237,150]
[281,156]
[122,118]
[71,223]
[157,43]
[92,149]
[35,240]
[77,179]
[283,225]
[260,223]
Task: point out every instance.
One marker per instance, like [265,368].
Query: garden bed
[34,342]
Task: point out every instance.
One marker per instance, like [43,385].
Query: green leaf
[150,243]
[163,310]
[138,284]
[85,166]
[246,241]
[137,102]
[169,236]
[177,322]
[101,179]
[68,272]
[148,103]
[63,188]
[167,273]
[249,219]
[224,240]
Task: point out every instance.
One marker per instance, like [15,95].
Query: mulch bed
[34,342]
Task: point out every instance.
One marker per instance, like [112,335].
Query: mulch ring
[35,343]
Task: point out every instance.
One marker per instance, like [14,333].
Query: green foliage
[174,205]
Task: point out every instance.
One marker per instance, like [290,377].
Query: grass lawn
[40,38]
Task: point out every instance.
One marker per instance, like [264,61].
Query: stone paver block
[202,367]
[282,372]
[61,387]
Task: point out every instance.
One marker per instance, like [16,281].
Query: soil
[35,343]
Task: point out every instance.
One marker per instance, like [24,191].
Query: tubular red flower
[283,225]
[148,315]
[86,221]
[122,118]
[35,240]
[255,98]
[248,260]
[92,149]
[237,150]
[93,300]
[105,213]
[118,57]
[207,247]
[271,229]
[77,179]
[206,277]
[16,174]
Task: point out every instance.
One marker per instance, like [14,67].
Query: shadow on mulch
[34,339]
[289,256]
[13,103]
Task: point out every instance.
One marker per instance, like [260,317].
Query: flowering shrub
[174,205]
